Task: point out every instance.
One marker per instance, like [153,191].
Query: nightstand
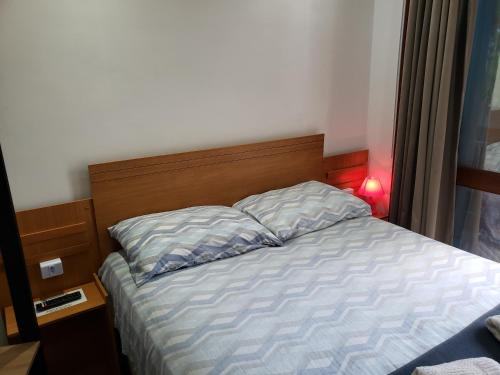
[77,339]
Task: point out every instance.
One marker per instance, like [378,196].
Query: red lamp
[371,190]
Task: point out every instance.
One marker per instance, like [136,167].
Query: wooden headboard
[129,188]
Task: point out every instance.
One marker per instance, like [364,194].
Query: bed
[362,296]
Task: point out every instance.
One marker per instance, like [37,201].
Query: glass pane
[479,145]
[477,222]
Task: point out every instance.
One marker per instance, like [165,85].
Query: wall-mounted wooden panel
[65,231]
[346,170]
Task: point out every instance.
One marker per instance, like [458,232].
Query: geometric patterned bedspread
[361,297]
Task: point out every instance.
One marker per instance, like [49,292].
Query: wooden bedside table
[77,339]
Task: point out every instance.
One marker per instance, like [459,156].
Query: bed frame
[222,176]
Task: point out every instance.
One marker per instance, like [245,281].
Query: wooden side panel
[346,170]
[129,188]
[65,231]
[348,175]
[479,179]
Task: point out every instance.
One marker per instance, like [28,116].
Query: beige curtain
[434,64]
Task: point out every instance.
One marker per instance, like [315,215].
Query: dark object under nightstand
[77,339]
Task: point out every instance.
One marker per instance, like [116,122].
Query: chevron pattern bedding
[303,208]
[360,297]
[167,241]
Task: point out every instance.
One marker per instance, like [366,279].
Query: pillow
[168,241]
[303,208]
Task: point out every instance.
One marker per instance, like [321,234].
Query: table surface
[17,359]
[95,299]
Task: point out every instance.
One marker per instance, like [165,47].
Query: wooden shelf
[96,298]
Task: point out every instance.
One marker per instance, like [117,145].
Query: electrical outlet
[51,268]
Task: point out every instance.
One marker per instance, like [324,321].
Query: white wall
[386,36]
[90,81]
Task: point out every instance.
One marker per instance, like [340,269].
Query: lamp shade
[371,187]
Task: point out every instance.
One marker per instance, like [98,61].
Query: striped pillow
[168,241]
[303,208]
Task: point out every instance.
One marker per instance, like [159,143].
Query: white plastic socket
[51,268]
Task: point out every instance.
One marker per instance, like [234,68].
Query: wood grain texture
[222,176]
[94,301]
[479,179]
[79,339]
[100,287]
[346,175]
[346,170]
[65,231]
[17,359]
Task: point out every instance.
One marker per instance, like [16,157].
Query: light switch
[51,268]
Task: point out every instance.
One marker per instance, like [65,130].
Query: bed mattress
[360,297]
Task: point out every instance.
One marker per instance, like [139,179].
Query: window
[477,206]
